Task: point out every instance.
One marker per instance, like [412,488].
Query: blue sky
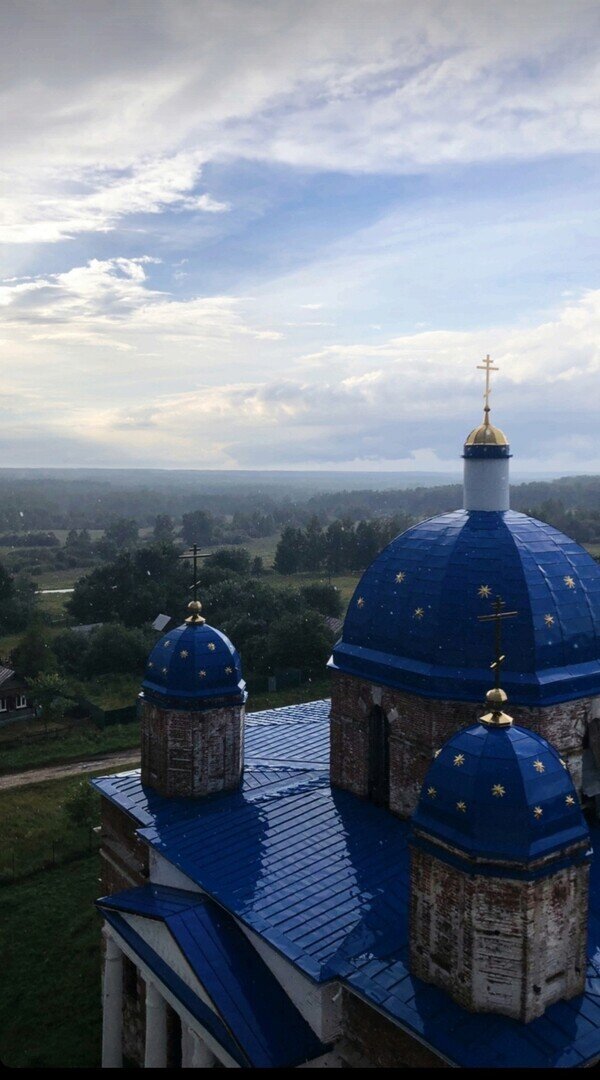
[283,234]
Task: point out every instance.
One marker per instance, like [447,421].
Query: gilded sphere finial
[195,618]
[496,698]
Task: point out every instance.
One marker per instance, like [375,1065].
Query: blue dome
[413,620]
[500,793]
[191,664]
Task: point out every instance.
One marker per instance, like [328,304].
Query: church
[401,876]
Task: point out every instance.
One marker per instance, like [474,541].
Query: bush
[323,598]
[82,805]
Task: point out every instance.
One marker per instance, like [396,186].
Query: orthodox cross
[194,554]
[487,366]
[497,618]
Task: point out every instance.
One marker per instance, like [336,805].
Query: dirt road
[110,762]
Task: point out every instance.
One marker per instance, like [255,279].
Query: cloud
[399,404]
[166,88]
[148,188]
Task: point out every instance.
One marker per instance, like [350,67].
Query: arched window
[379,757]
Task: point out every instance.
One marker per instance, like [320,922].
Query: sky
[283,233]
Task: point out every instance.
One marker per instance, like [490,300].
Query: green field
[50,1006]
[35,828]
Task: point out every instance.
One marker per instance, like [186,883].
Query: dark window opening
[129,978]
[379,757]
[173,1039]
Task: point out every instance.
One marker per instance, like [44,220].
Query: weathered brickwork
[380,1042]
[418,726]
[498,944]
[191,753]
[123,855]
[134,1015]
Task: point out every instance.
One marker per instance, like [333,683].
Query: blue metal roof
[412,622]
[323,876]
[265,1026]
[191,666]
[500,793]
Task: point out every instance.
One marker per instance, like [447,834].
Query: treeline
[30,509]
[343,546]
[272,626]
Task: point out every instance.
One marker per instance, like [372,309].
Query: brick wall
[418,726]
[496,944]
[123,855]
[376,1039]
[191,753]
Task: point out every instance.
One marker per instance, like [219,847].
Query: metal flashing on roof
[323,877]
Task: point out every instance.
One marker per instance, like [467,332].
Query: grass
[112,691]
[33,819]
[345,583]
[50,1006]
[85,740]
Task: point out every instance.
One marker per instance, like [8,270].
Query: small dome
[413,622]
[194,663]
[500,793]
[486,435]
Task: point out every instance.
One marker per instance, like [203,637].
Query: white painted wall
[486,485]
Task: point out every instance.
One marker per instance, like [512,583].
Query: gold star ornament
[431,792]
[360,602]
[498,790]
[229,671]
[400,577]
[539,765]
[184,654]
[484,591]
[537,812]
[419,612]
[569,581]
[202,674]
[549,620]
[462,806]
[459,759]
[211,646]
[166,644]
[570,801]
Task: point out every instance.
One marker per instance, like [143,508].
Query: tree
[70,650]
[289,555]
[198,527]
[323,598]
[122,532]
[299,640]
[116,648]
[164,528]
[314,545]
[231,558]
[82,805]
[257,567]
[132,588]
[49,692]
[33,655]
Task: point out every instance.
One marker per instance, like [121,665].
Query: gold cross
[497,617]
[487,366]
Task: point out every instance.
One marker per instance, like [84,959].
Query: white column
[112,1015]
[194,1051]
[156,1029]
